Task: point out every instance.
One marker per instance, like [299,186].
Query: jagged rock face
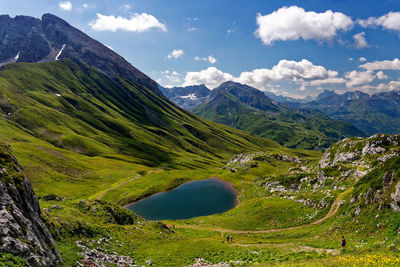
[359,150]
[27,39]
[22,233]
[187,97]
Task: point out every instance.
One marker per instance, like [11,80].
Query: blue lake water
[192,199]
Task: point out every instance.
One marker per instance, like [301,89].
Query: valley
[84,135]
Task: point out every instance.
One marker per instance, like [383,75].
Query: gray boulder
[22,233]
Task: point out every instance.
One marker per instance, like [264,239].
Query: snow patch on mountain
[59,53]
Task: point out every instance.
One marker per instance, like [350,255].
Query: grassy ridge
[75,107]
[303,129]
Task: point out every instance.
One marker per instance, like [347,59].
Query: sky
[291,48]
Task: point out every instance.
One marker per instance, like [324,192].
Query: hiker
[343,242]
[231,237]
[227,239]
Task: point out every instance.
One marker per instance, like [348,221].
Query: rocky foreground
[22,232]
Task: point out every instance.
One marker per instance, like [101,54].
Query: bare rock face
[395,196]
[28,39]
[22,233]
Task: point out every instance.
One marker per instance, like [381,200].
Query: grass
[253,112]
[115,141]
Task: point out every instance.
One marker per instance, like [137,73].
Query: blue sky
[294,48]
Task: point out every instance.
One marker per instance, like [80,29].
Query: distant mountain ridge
[249,109]
[376,113]
[187,97]
[28,39]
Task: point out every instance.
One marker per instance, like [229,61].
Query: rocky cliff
[28,39]
[373,162]
[22,233]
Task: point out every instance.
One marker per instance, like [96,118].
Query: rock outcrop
[22,233]
[28,39]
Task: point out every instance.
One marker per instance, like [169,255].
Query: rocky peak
[22,233]
[28,39]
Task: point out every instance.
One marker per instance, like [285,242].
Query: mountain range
[371,113]
[246,108]
[83,134]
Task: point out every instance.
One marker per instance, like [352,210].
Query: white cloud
[170,78]
[67,5]
[85,5]
[382,65]
[362,59]
[389,21]
[211,59]
[360,41]
[211,77]
[293,23]
[391,86]
[191,29]
[359,77]
[303,72]
[136,23]
[334,80]
[351,59]
[381,76]
[176,53]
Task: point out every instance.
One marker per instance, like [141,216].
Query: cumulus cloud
[389,21]
[382,65]
[67,5]
[211,77]
[210,59]
[293,23]
[136,23]
[381,76]
[303,72]
[176,53]
[170,78]
[360,41]
[390,86]
[362,59]
[359,77]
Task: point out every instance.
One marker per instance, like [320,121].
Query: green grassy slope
[72,127]
[119,142]
[291,128]
[76,107]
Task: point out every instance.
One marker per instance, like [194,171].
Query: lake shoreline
[225,184]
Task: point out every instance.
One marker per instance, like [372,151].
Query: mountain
[249,109]
[376,113]
[90,142]
[28,39]
[72,105]
[79,127]
[187,97]
[284,99]
[23,233]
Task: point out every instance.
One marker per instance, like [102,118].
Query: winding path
[333,210]
[124,182]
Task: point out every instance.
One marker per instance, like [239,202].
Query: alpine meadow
[199,134]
